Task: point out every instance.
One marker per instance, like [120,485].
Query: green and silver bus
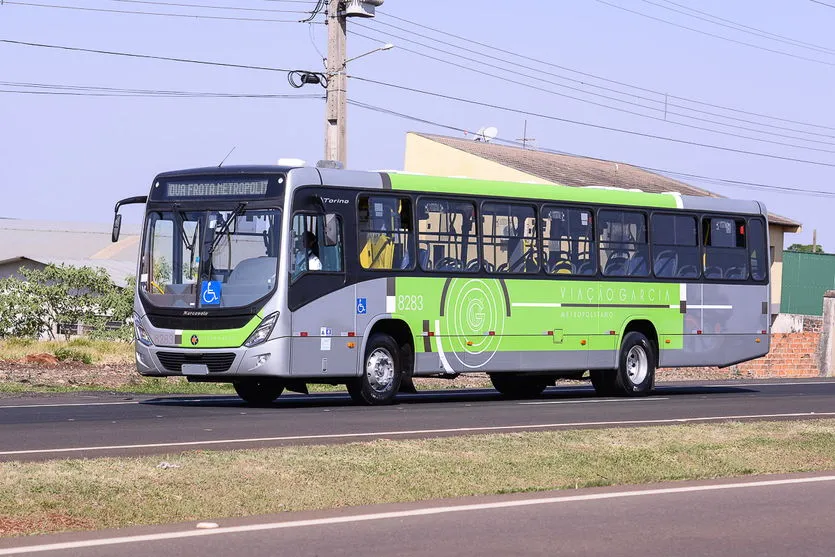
[276,277]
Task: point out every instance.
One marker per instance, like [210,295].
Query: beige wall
[425,156]
[775,241]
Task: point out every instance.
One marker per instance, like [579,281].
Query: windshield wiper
[225,226]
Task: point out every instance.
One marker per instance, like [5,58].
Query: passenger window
[756,249]
[674,246]
[447,237]
[725,255]
[310,252]
[568,241]
[509,238]
[385,233]
[623,244]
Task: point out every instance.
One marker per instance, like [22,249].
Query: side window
[310,250]
[757,249]
[385,233]
[509,238]
[675,246]
[447,237]
[725,255]
[623,244]
[568,241]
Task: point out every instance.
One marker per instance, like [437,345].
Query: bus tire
[258,391]
[636,365]
[518,386]
[604,381]
[382,373]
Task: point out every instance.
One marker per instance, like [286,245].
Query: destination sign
[225,188]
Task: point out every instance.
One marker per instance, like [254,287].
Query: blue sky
[72,157]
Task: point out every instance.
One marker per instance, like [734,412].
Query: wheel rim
[637,364]
[379,368]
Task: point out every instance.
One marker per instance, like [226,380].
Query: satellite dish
[486,134]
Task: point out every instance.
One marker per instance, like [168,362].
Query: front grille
[217,362]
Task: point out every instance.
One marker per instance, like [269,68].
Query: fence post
[827,340]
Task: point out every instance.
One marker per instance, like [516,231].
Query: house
[447,156]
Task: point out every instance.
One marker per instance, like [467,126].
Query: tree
[61,294]
[805,248]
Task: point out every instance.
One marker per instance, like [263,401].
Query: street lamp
[387,46]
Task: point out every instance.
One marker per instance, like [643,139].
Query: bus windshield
[210,259]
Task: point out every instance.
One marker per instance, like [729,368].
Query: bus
[276,277]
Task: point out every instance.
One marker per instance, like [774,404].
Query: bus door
[322,306]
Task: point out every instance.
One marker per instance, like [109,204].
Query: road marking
[426,511]
[331,436]
[592,400]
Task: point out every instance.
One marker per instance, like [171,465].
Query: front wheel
[636,365]
[382,373]
[258,391]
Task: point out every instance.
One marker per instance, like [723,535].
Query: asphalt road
[758,517]
[91,425]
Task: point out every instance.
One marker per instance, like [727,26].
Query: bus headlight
[140,333]
[262,333]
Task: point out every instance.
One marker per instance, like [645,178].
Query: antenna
[227,156]
[486,134]
[525,139]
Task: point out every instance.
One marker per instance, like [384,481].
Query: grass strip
[117,492]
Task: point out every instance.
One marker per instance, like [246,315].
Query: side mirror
[331,230]
[117,227]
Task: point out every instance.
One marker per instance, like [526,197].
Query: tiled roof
[118,271]
[572,170]
[41,240]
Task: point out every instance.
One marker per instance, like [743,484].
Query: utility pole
[336,146]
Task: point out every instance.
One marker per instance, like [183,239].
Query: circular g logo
[474,319]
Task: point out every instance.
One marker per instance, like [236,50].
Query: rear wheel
[636,365]
[518,386]
[382,373]
[259,391]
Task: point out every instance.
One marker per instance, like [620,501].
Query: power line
[714,35]
[209,7]
[722,181]
[136,12]
[739,26]
[665,110]
[607,80]
[98,91]
[823,3]
[664,104]
[145,56]
[591,125]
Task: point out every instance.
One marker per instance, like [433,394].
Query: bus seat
[637,266]
[423,258]
[666,264]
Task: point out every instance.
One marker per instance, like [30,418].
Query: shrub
[66,354]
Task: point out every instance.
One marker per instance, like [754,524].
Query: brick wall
[791,355]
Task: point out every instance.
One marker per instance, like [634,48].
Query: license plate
[195,369]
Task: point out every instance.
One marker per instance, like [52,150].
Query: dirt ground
[72,374]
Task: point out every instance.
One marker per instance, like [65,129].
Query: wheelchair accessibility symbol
[362,306]
[210,292]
